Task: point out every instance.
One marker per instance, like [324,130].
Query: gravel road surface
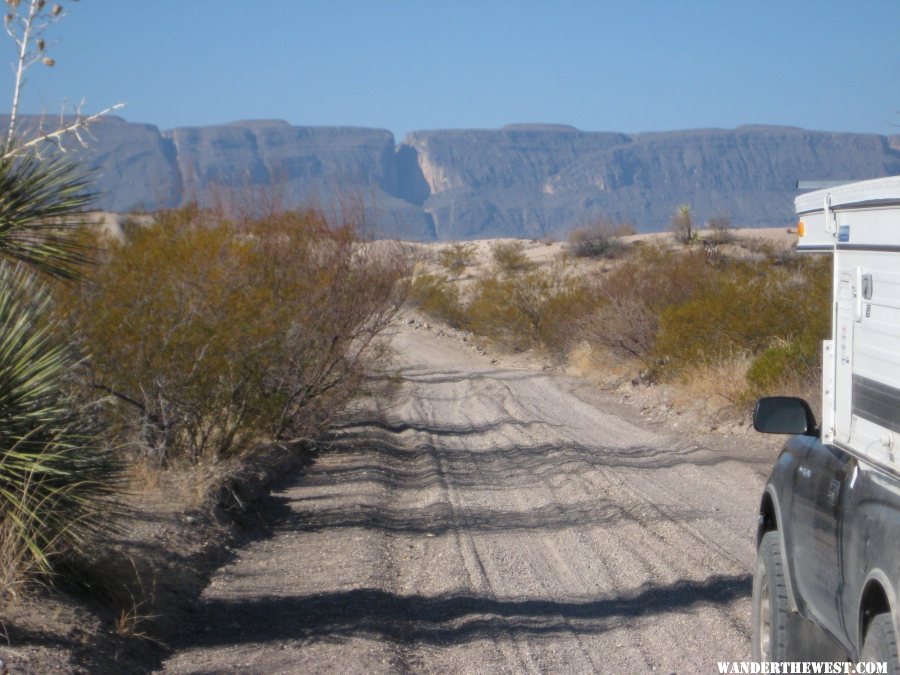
[490,519]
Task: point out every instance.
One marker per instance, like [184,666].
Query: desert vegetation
[58,475]
[456,257]
[682,224]
[600,239]
[509,257]
[663,312]
[194,341]
[202,339]
[209,336]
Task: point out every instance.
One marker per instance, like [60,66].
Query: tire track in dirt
[488,520]
[568,577]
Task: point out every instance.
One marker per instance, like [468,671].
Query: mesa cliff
[524,180]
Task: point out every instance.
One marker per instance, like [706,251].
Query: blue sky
[631,66]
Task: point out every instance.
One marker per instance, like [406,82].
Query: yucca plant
[41,205]
[55,474]
[56,477]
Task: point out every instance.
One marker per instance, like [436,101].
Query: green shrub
[494,312]
[438,297]
[41,205]
[734,313]
[212,335]
[797,360]
[631,297]
[747,308]
[538,308]
[509,257]
[785,364]
[56,474]
[602,239]
[672,310]
[457,257]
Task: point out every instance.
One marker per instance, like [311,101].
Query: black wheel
[774,624]
[881,643]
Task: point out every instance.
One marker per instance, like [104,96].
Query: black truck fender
[878,596]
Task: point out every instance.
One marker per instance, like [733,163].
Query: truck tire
[774,624]
[881,643]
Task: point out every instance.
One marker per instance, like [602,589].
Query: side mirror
[784,415]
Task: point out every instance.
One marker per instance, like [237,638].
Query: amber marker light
[801,228]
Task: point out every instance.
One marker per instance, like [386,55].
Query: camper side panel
[867,334]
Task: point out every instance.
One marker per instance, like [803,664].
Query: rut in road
[490,520]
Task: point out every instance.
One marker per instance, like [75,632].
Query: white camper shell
[859,223]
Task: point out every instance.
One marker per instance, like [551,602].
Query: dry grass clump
[715,389]
[599,364]
[17,564]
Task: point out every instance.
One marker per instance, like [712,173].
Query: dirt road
[491,519]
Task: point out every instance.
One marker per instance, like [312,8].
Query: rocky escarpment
[332,167]
[536,180]
[519,181]
[133,166]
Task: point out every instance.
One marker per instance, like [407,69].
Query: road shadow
[445,619]
[440,518]
[431,376]
[374,452]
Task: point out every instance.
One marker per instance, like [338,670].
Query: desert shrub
[784,365]
[778,254]
[601,239]
[732,313]
[720,230]
[541,307]
[748,308]
[794,362]
[493,312]
[456,257]
[563,314]
[672,310]
[509,257]
[210,336]
[437,296]
[632,296]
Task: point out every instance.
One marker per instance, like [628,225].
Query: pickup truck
[827,572]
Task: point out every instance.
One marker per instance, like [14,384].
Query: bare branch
[22,64]
[73,129]
[26,28]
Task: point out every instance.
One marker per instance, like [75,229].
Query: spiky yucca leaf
[56,477]
[41,202]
